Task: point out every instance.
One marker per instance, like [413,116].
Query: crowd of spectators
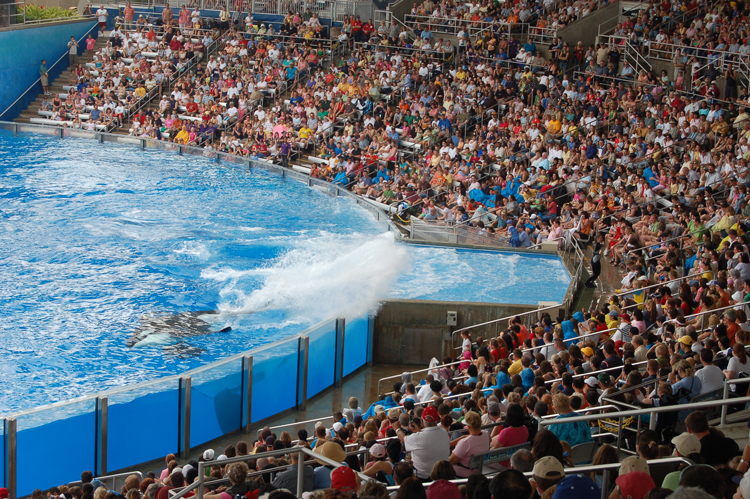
[422,435]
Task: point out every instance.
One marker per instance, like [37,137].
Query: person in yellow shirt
[461,74]
[140,91]
[554,129]
[516,367]
[182,136]
[304,135]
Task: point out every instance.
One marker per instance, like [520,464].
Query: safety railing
[619,415]
[12,13]
[725,395]
[497,321]
[300,423]
[434,368]
[453,233]
[110,481]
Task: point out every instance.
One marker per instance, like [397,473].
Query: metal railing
[454,233]
[497,321]
[725,395]
[110,481]
[398,376]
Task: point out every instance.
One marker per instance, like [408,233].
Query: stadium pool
[99,241]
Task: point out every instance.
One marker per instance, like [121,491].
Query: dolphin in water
[170,331]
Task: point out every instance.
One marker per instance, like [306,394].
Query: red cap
[635,485]
[343,479]
[3,493]
[430,414]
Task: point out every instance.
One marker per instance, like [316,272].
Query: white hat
[337,427]
[222,457]
[208,454]
[176,470]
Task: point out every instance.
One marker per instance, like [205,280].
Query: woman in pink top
[166,471]
[515,432]
[476,442]
[556,233]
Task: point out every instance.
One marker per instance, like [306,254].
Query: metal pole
[605,484]
[300,472]
[201,474]
[304,354]
[11,426]
[249,391]
[724,407]
[338,374]
[102,410]
[619,435]
[187,383]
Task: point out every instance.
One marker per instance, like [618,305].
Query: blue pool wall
[220,393]
[21,54]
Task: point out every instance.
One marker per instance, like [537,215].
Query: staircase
[56,86]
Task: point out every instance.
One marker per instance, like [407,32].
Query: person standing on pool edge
[44,77]
[596,261]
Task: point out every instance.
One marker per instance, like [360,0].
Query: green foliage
[40,12]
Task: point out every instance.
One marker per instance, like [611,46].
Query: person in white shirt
[101,17]
[711,376]
[428,446]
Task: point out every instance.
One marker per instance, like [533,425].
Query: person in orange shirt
[730,321]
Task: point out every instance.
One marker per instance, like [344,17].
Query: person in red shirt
[357,29]
[367,29]
[175,45]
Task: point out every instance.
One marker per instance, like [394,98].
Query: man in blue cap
[577,487]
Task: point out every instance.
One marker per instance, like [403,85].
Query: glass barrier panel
[68,432]
[2,453]
[216,401]
[127,444]
[355,344]
[322,358]
[274,379]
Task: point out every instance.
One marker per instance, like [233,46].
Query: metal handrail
[649,410]
[38,80]
[587,409]
[297,423]
[598,371]
[398,376]
[112,477]
[495,321]
[727,382]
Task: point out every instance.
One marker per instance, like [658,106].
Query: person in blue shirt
[530,47]
[514,239]
[382,175]
[527,373]
[341,178]
[291,72]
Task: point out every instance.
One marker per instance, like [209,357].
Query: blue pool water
[99,241]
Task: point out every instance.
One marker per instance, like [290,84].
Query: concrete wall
[411,332]
[21,52]
[587,29]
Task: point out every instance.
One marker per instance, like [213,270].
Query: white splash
[324,277]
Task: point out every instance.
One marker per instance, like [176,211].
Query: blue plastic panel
[68,431]
[322,359]
[126,444]
[274,379]
[3,453]
[216,401]
[355,344]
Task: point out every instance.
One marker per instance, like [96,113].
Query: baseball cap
[743,482]
[431,415]
[343,479]
[208,454]
[686,444]
[493,408]
[614,313]
[634,463]
[3,493]
[686,340]
[577,487]
[549,467]
[337,427]
[592,382]
[604,378]
[443,489]
[587,351]
[635,485]
[377,451]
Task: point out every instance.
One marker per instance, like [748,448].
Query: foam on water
[325,276]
